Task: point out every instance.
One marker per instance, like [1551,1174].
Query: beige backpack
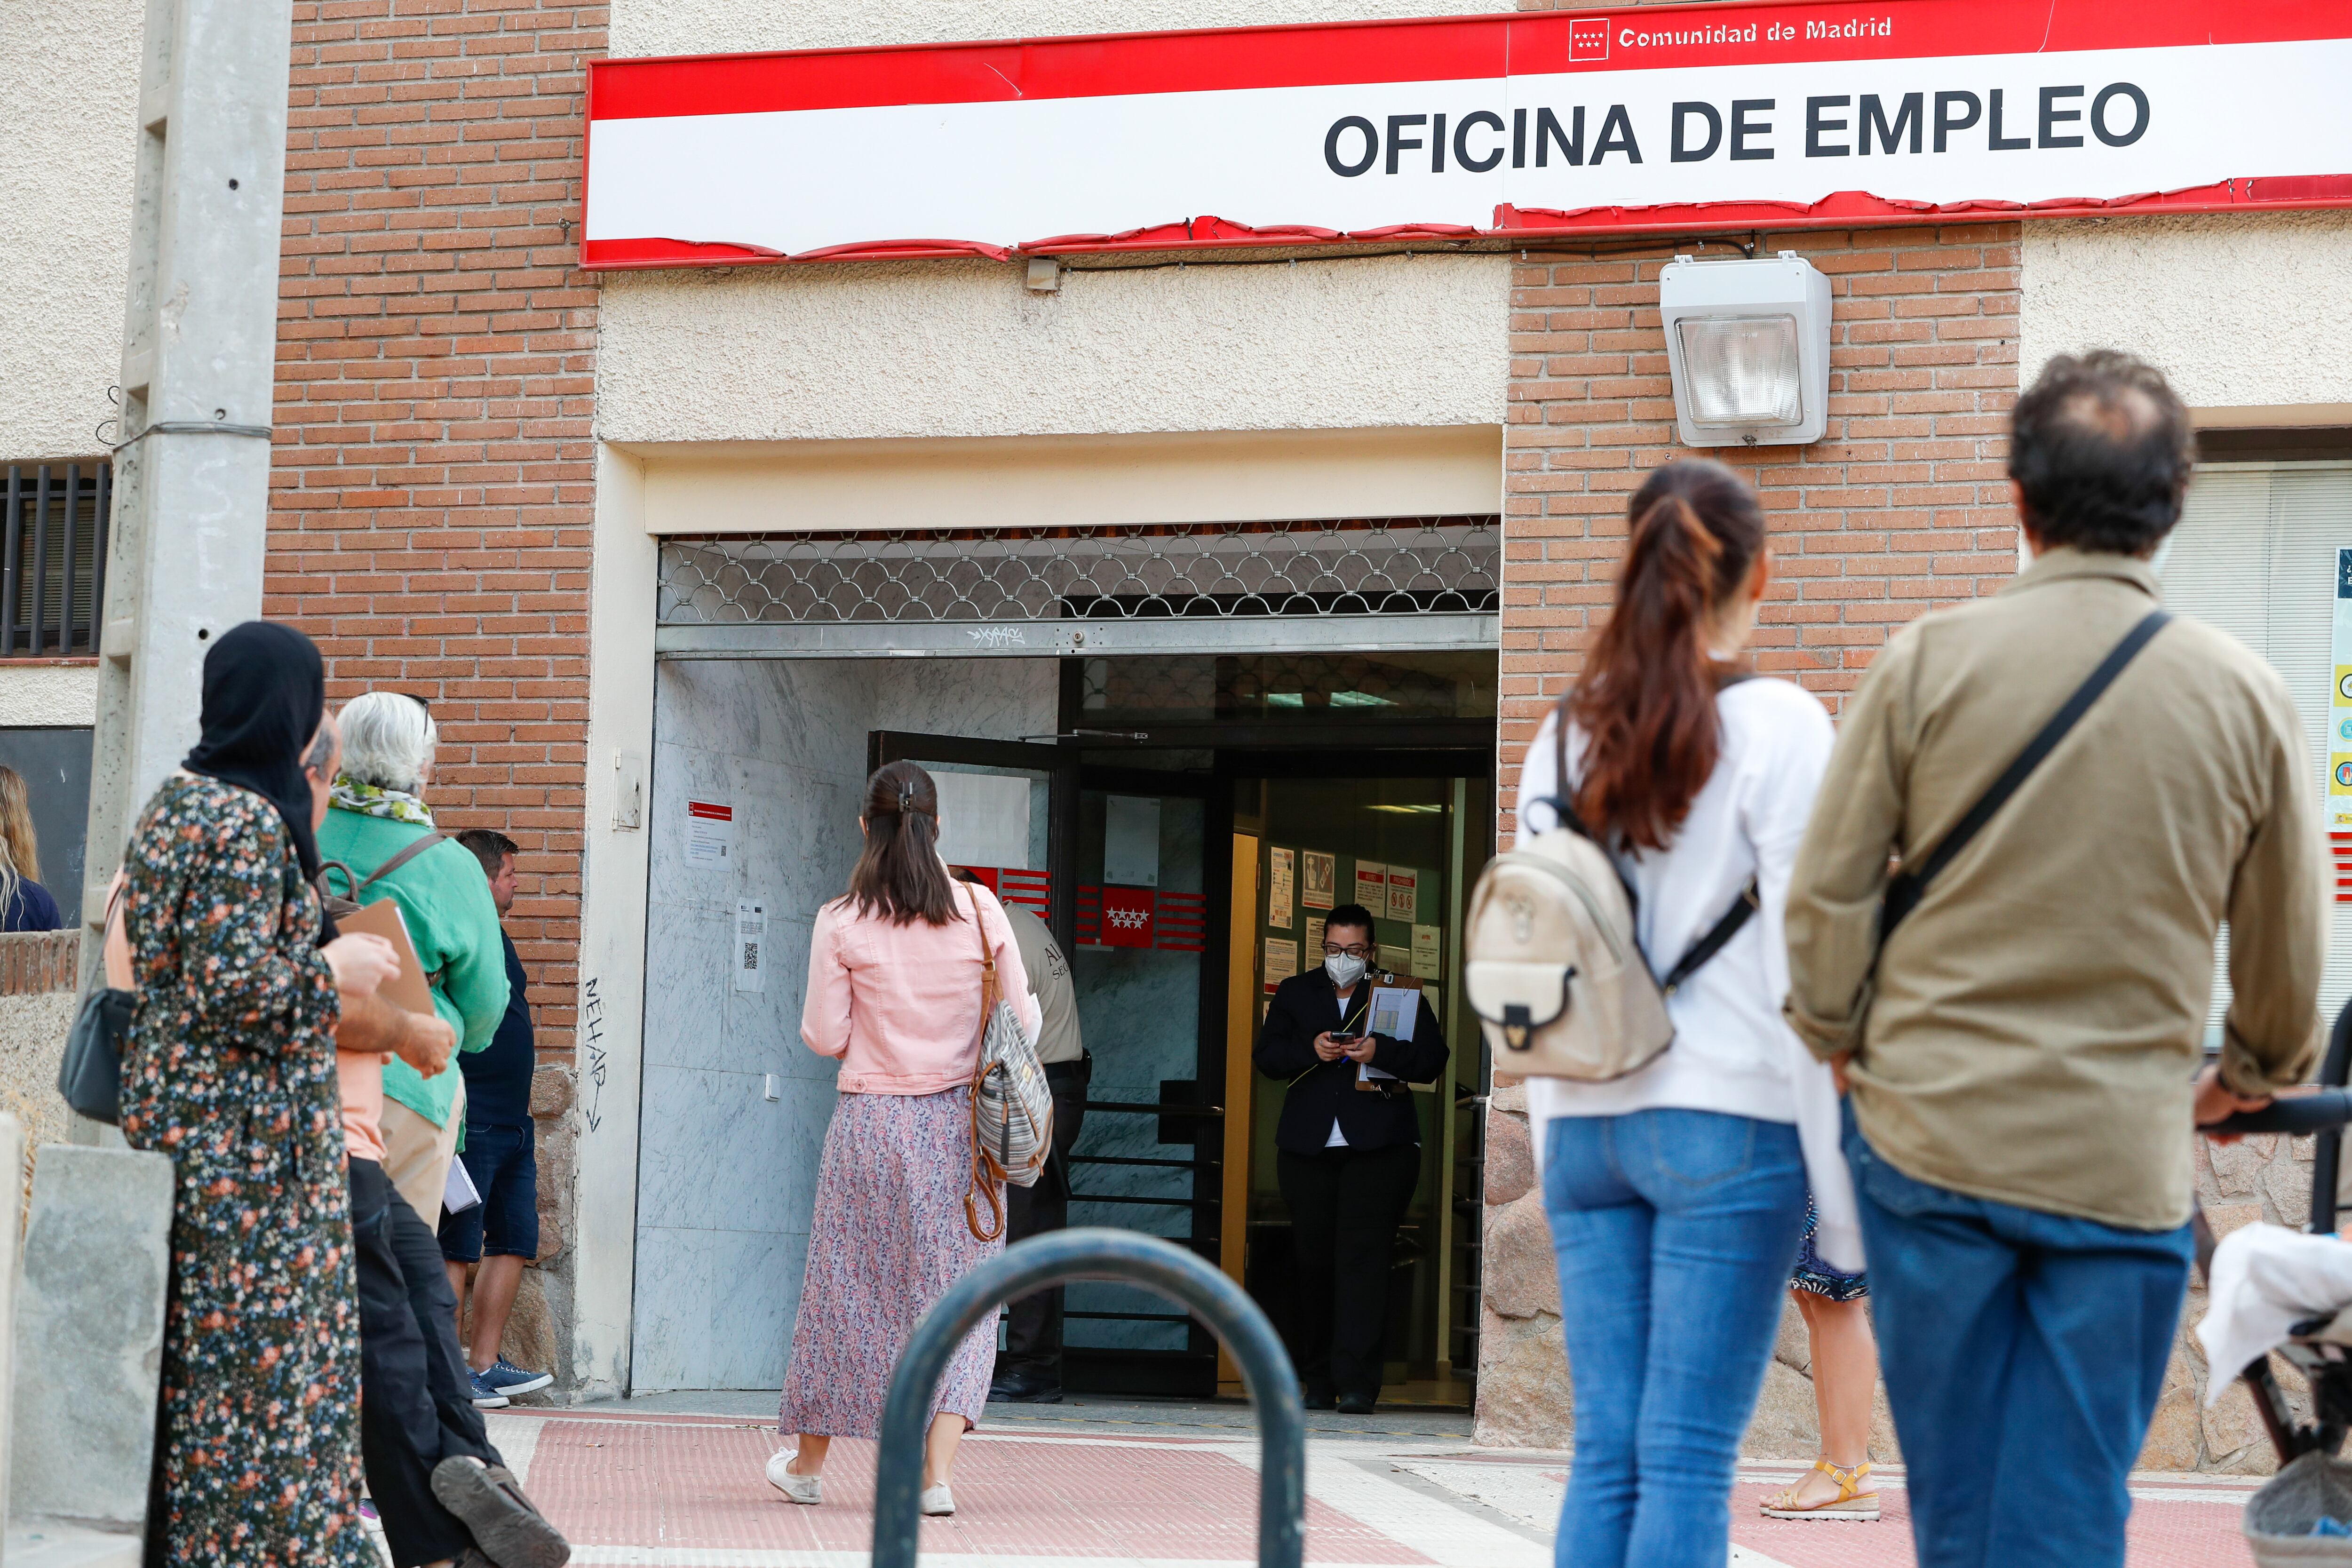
[1553,968]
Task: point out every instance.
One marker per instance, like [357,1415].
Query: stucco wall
[44,696]
[962,349]
[68,97]
[725,27]
[2241,310]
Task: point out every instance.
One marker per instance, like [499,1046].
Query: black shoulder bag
[90,1077]
[1906,887]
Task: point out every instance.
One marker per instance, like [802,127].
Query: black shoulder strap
[1742,908]
[1905,888]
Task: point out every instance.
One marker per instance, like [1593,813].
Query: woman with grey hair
[383,831]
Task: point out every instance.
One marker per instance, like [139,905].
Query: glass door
[1000,804]
[1113,862]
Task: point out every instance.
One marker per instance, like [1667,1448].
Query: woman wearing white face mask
[1350,1154]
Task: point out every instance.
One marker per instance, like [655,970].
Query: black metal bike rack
[1128,1257]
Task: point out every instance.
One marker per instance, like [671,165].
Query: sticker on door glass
[1280,870]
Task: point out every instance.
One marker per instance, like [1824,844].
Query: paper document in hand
[1394,1012]
[458,1193]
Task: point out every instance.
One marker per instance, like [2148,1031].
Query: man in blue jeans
[502,1232]
[2021,1050]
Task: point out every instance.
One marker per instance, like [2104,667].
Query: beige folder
[406,989]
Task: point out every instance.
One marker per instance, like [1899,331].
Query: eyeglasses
[1361,950]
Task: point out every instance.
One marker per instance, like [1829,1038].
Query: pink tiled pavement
[683,1483]
[2162,1535]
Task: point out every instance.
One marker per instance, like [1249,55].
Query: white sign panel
[1531,123]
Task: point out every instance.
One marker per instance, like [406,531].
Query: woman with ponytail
[894,995]
[1677,1194]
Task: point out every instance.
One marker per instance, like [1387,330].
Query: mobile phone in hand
[1345,1040]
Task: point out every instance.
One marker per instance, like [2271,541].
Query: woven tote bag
[1011,1104]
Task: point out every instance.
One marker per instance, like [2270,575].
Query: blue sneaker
[486,1397]
[503,1377]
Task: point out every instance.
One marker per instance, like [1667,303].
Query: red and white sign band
[1653,119]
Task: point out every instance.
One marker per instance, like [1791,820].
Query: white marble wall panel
[727,1178]
[714,1308]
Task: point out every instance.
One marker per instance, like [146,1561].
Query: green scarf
[373,800]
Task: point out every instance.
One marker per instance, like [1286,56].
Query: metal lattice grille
[1410,566]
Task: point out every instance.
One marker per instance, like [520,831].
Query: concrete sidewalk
[675,1481]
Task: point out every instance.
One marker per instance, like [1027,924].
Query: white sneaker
[937,1500]
[800,1488]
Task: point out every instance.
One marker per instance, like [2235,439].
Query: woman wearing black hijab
[229,1067]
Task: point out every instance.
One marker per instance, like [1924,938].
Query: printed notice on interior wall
[710,833]
[2339,713]
[1314,939]
[1372,886]
[1278,887]
[750,944]
[1281,960]
[1404,894]
[1319,881]
[1426,958]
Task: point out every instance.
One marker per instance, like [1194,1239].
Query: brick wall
[431,493]
[34,963]
[1902,505]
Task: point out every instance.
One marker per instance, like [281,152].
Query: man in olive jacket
[377,811]
[2022,1048]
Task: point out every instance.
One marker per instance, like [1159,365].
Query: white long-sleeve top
[1732,1053]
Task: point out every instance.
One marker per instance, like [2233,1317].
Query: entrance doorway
[1181,830]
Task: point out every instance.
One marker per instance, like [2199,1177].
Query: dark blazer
[1304,1007]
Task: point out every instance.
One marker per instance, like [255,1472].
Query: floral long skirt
[888,1239]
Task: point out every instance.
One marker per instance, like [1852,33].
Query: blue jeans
[1676,1231]
[2023,1354]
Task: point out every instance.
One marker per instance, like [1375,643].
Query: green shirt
[445,902]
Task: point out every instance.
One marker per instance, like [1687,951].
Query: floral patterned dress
[230,1069]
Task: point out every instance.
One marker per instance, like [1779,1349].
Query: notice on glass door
[1281,872]
[1373,886]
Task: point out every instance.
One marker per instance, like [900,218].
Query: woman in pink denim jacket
[894,994]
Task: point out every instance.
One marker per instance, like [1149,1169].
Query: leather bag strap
[987,1175]
[1906,887]
[408,852]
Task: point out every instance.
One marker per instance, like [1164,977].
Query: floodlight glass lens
[1742,369]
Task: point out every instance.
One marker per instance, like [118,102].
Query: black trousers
[416,1404]
[1344,1206]
[1033,1330]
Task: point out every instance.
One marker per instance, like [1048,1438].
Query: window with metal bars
[53,519]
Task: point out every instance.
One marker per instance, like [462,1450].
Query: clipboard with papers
[1395,1010]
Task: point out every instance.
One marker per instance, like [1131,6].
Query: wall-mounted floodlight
[1748,343]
